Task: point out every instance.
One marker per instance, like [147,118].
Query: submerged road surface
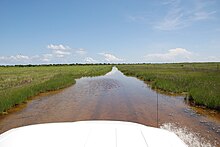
[118,97]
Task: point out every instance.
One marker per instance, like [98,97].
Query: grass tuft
[200,80]
[21,83]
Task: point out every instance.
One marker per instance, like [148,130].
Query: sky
[109,31]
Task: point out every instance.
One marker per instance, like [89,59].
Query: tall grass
[20,83]
[200,81]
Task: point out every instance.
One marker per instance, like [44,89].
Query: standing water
[118,97]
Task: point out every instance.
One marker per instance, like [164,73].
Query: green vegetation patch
[17,84]
[201,81]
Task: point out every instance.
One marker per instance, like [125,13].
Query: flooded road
[118,97]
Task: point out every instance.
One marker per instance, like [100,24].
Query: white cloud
[59,51]
[203,15]
[61,54]
[213,58]
[81,51]
[90,60]
[179,16]
[46,57]
[179,51]
[173,55]
[58,47]
[179,55]
[56,54]
[110,58]
[16,58]
[21,57]
[172,21]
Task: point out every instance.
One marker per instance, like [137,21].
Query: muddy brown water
[116,97]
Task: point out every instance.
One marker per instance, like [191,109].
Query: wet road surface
[115,97]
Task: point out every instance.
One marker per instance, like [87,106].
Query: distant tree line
[82,64]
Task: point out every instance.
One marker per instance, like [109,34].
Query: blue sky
[114,31]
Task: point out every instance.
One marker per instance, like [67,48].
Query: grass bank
[200,81]
[17,84]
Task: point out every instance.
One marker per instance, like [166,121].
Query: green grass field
[199,81]
[17,84]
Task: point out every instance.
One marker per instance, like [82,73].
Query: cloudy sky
[112,31]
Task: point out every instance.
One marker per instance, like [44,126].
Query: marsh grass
[20,83]
[200,81]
